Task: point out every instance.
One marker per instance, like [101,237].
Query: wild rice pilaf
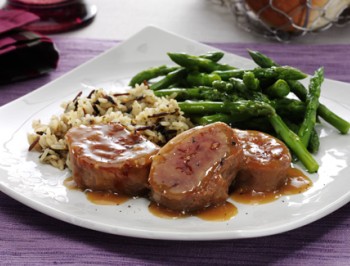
[158,119]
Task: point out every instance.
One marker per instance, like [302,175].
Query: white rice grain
[158,119]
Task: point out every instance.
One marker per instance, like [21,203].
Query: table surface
[200,20]
[25,240]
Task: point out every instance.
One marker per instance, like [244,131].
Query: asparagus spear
[323,111]
[250,81]
[336,121]
[314,143]
[294,143]
[239,87]
[162,70]
[214,56]
[255,123]
[197,93]
[281,72]
[169,79]
[223,86]
[261,59]
[292,109]
[201,79]
[209,119]
[197,63]
[279,89]
[300,91]
[312,103]
[151,73]
[183,93]
[243,109]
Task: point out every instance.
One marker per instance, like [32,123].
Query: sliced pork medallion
[108,157]
[266,161]
[195,169]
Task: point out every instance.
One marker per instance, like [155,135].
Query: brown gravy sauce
[97,197]
[218,213]
[297,182]
[105,198]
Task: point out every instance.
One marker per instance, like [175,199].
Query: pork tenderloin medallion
[110,158]
[266,162]
[195,169]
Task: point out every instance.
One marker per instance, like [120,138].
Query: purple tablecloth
[28,237]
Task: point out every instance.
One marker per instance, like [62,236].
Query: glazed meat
[266,161]
[195,169]
[108,157]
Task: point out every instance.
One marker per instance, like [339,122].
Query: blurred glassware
[55,15]
[283,20]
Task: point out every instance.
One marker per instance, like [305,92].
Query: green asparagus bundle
[208,91]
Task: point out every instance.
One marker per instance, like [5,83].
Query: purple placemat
[28,237]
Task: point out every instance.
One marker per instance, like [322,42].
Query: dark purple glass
[55,15]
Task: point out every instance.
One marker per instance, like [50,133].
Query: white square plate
[41,187]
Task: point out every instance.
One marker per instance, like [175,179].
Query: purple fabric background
[28,237]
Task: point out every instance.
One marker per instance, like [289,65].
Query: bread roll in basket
[294,15]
